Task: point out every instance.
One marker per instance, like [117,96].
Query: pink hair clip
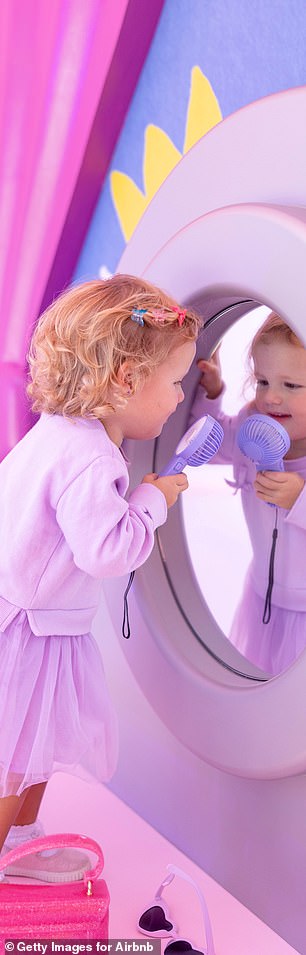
[181,314]
[158,314]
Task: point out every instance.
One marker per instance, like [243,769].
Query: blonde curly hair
[274,326]
[83,338]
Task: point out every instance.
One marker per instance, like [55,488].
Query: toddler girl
[279,372]
[106,361]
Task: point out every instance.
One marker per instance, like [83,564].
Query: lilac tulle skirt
[55,712]
[272,646]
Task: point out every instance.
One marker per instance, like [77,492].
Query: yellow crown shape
[160,154]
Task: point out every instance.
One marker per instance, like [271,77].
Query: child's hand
[211,378]
[279,487]
[171,486]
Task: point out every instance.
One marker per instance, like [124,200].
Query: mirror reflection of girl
[107,361]
[278,361]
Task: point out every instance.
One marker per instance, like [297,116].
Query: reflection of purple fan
[265,441]
[198,445]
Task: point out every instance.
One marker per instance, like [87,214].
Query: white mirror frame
[241,237]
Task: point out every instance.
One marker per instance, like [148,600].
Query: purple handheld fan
[198,445]
[264,441]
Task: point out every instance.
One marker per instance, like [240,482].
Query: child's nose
[273,395]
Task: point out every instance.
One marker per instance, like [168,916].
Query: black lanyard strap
[267,607]
[126,630]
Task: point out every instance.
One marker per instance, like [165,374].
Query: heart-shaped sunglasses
[156,921]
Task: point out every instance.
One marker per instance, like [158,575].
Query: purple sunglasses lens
[179,946]
[154,920]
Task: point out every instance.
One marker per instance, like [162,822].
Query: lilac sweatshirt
[289,589]
[66,524]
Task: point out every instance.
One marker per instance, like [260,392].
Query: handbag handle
[58,841]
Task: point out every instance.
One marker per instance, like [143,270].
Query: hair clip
[137,314]
[158,314]
[181,314]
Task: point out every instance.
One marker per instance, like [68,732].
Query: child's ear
[125,376]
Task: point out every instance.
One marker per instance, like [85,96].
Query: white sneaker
[55,865]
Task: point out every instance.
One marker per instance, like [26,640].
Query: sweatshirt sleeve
[297,513]
[108,535]
[213,406]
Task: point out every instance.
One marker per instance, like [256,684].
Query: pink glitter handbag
[70,910]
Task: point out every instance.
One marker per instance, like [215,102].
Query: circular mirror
[190,668]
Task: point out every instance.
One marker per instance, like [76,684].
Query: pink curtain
[54,57]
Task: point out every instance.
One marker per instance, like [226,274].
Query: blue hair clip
[137,314]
